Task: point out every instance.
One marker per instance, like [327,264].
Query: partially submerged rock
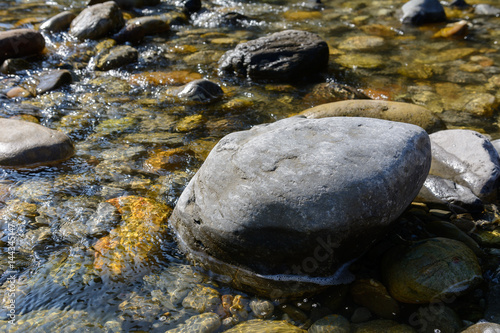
[24,143]
[201,91]
[128,248]
[53,79]
[282,56]
[284,207]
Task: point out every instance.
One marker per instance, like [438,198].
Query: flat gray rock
[293,202]
[467,158]
[97,21]
[281,56]
[25,144]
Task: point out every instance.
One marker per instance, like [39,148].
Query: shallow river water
[122,120]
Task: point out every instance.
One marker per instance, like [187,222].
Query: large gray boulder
[283,208]
[281,56]
[24,143]
[465,169]
[97,21]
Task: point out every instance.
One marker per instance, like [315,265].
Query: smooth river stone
[395,111]
[97,21]
[24,143]
[20,43]
[431,270]
[284,207]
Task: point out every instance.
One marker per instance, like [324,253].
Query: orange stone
[170,160]
[18,92]
[128,248]
[458,29]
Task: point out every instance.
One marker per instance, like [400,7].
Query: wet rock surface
[281,56]
[418,12]
[133,138]
[20,43]
[53,79]
[24,143]
[97,21]
[465,169]
[272,205]
[59,22]
[203,91]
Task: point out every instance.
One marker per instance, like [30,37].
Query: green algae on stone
[355,60]
[202,299]
[331,323]
[265,326]
[118,125]
[429,270]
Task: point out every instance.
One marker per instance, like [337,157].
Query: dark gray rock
[459,4]
[418,12]
[59,22]
[492,313]
[97,21]
[129,3]
[467,158]
[53,79]
[117,57]
[135,29]
[192,6]
[281,56]
[431,319]
[284,207]
[202,90]
[23,143]
[20,43]
[233,19]
[484,9]
[11,66]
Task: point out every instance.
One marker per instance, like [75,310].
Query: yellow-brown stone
[128,248]
[165,78]
[169,160]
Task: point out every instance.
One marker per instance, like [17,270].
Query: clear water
[117,125]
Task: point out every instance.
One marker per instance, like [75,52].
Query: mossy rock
[429,270]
